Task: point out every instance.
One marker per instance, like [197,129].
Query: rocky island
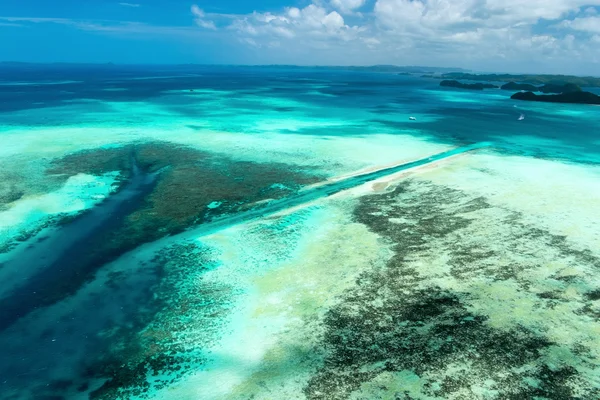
[470,86]
[579,97]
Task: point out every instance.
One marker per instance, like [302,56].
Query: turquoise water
[116,284]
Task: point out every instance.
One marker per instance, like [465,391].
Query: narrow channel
[45,266]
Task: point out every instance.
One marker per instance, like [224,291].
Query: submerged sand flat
[473,277]
[426,291]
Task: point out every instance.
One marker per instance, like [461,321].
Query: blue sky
[490,35]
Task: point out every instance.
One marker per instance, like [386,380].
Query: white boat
[412,118]
[521,117]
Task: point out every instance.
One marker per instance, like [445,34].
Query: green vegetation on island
[554,88]
[470,86]
[547,88]
[583,81]
[413,69]
[569,97]
[519,86]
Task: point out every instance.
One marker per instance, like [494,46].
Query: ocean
[231,232]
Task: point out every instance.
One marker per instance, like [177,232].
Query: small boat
[412,118]
[521,117]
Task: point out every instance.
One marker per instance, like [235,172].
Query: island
[470,86]
[570,97]
[413,69]
[560,88]
[547,88]
[583,81]
[519,86]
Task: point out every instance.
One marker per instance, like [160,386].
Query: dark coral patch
[188,181]
[423,331]
[94,162]
[594,295]
[153,343]
[394,320]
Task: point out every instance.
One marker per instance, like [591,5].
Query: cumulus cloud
[587,24]
[347,6]
[462,14]
[458,32]
[310,23]
[479,34]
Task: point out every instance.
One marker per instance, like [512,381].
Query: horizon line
[440,69]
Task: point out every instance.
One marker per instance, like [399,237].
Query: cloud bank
[552,36]
[487,34]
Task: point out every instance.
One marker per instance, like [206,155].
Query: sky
[550,36]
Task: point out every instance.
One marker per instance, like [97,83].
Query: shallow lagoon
[473,277]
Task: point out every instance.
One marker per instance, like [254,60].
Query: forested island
[547,88]
[561,92]
[579,97]
[582,81]
[470,86]
[519,86]
[560,88]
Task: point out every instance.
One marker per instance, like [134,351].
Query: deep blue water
[54,258]
[470,117]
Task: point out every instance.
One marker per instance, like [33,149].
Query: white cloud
[294,12]
[135,5]
[11,24]
[333,21]
[347,6]
[308,24]
[442,14]
[201,20]
[64,21]
[588,24]
[470,33]
[479,34]
[105,26]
